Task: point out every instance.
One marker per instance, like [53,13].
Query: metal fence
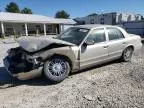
[134,27]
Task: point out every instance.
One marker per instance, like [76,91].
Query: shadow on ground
[7,81]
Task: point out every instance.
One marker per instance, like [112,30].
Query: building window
[23,27]
[92,21]
[51,29]
[129,18]
[113,19]
[102,20]
[38,27]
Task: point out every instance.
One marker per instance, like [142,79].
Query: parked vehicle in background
[77,48]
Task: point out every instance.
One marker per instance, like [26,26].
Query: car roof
[90,26]
[93,26]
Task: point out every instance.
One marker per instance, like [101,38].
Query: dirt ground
[112,85]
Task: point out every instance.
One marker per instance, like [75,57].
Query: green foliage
[12,7]
[62,14]
[26,11]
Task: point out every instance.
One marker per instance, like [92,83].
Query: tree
[12,7]
[93,14]
[62,14]
[26,11]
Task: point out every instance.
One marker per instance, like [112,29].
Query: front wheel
[56,69]
[127,54]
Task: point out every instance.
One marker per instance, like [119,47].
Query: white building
[109,18]
[29,24]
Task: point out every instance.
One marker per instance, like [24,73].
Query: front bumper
[21,75]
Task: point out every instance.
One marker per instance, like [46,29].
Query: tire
[56,69]
[127,54]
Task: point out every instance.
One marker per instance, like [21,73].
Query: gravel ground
[107,86]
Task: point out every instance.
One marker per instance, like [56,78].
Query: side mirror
[89,42]
[85,44]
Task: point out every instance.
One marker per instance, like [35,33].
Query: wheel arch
[122,56]
[131,46]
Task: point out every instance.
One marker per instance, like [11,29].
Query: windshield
[74,35]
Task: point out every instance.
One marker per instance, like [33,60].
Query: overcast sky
[78,8]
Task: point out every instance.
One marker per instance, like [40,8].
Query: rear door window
[114,34]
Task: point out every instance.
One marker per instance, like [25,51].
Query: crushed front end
[22,65]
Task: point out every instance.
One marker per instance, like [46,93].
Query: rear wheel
[56,69]
[127,54]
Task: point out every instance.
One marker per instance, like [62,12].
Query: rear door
[116,42]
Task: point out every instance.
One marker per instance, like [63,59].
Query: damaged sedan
[77,48]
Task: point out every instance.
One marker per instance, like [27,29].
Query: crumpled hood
[32,44]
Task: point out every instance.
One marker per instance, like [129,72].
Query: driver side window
[97,36]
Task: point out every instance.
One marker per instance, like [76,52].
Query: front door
[91,54]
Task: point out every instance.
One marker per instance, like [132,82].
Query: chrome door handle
[124,43]
[106,46]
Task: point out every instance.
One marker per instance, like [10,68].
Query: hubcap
[57,67]
[128,53]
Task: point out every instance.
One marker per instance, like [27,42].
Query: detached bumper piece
[22,70]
